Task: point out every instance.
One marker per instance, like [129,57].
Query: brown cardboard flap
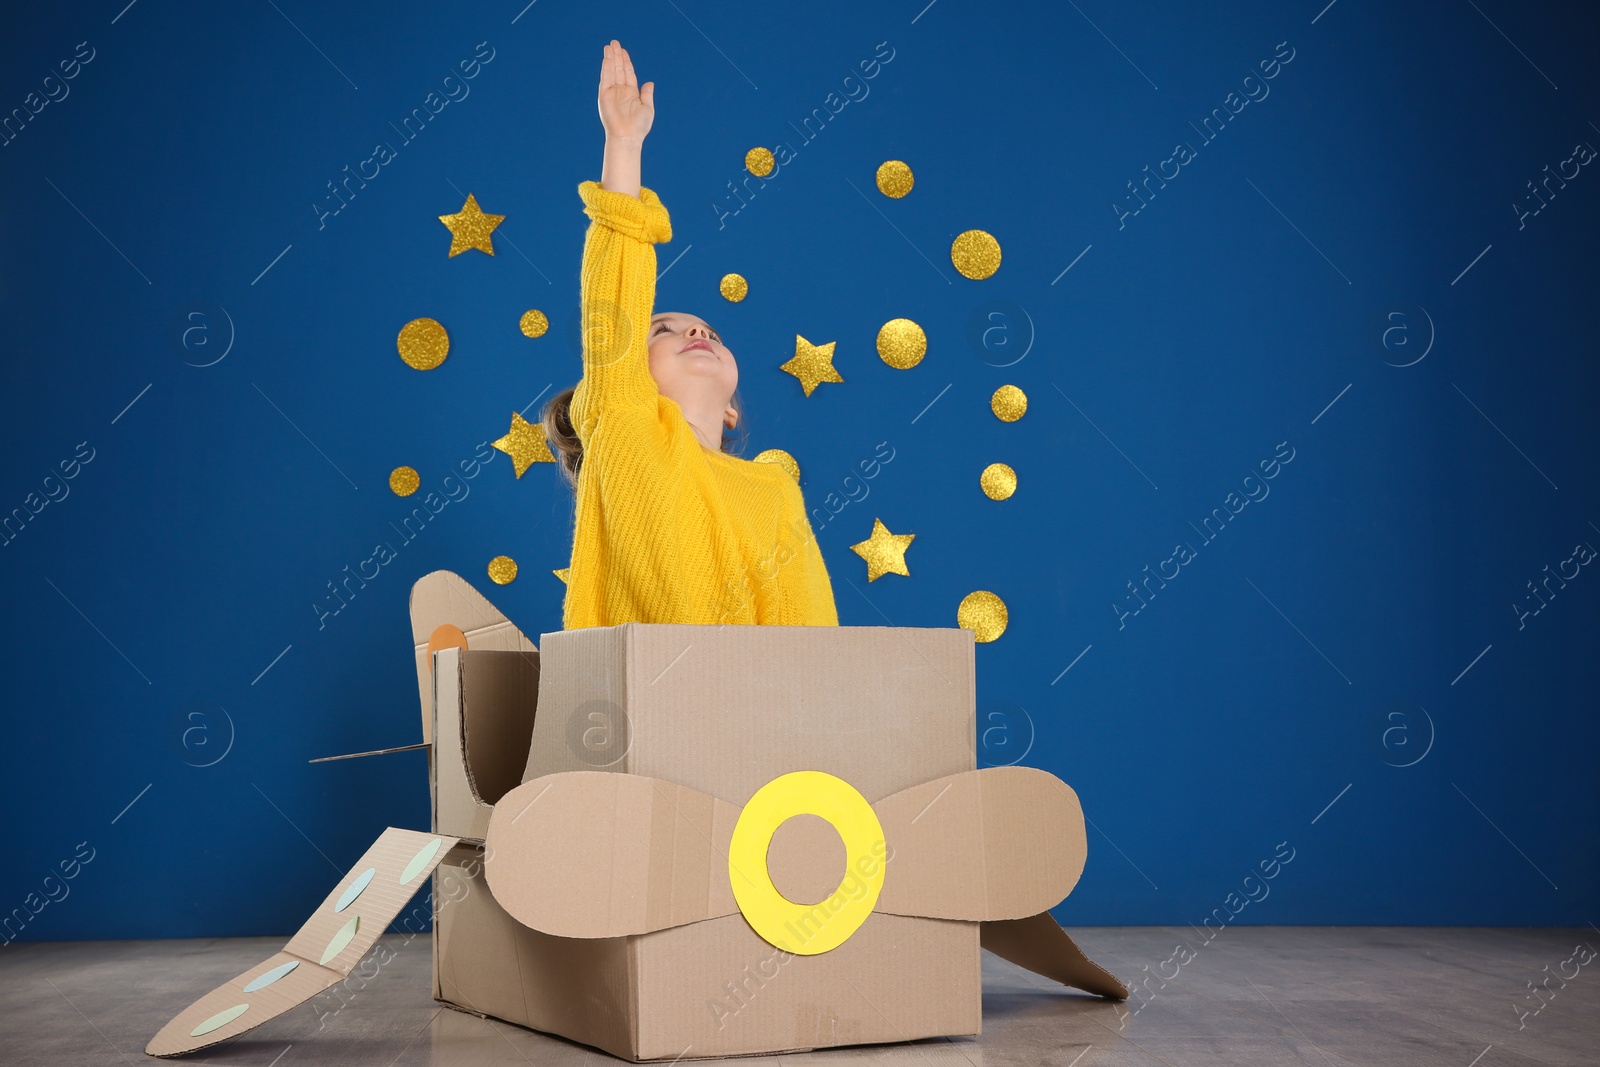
[445,599]
[607,854]
[1000,843]
[332,941]
[483,702]
[499,693]
[1039,944]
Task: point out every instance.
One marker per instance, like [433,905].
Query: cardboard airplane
[708,841]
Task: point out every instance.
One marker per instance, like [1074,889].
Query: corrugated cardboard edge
[1039,944]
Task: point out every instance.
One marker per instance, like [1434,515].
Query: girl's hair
[569,449]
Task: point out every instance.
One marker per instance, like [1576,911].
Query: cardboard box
[723,710]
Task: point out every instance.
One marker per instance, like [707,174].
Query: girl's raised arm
[618,278]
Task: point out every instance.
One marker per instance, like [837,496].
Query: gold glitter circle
[902,343]
[975,254]
[998,480]
[404,481]
[734,287]
[983,613]
[502,569]
[759,161]
[894,179]
[782,459]
[423,344]
[1008,403]
[534,323]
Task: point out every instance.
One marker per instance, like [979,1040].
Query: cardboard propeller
[332,941]
[603,854]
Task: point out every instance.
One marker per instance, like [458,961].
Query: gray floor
[1255,995]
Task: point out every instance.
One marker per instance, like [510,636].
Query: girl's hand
[626,109]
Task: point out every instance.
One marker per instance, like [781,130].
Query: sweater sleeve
[807,595]
[617,295]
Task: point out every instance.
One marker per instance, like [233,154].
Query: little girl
[671,526]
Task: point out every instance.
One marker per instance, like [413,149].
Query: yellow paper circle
[423,343]
[975,254]
[894,179]
[799,928]
[534,323]
[998,480]
[782,459]
[983,613]
[403,481]
[902,343]
[1008,403]
[502,569]
[734,287]
[759,161]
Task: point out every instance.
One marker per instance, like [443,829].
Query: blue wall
[1350,638]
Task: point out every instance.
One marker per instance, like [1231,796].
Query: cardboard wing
[596,854]
[332,941]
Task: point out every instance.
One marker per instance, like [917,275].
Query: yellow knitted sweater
[667,530]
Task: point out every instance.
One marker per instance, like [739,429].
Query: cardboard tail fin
[1039,944]
[447,610]
[332,941]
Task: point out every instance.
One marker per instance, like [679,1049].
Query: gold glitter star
[562,573]
[470,228]
[884,552]
[812,364]
[525,444]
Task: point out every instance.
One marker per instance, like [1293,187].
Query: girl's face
[692,366]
